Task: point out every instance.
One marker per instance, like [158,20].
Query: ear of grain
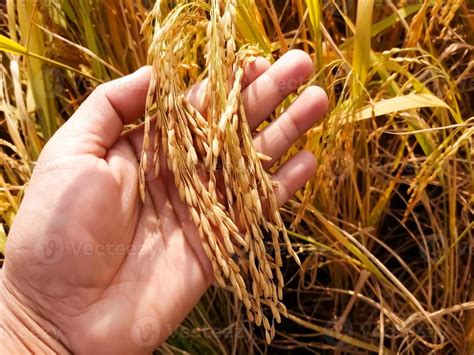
[221,139]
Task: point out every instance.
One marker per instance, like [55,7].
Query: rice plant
[383,230]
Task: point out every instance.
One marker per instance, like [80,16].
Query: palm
[119,255]
[107,266]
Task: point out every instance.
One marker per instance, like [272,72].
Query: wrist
[21,330]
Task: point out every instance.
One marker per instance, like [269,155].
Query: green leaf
[8,45]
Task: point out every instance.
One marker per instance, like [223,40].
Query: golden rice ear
[222,144]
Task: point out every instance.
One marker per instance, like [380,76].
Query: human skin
[89,267]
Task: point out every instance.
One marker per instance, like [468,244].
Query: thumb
[99,121]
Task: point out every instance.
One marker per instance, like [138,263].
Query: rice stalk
[37,75]
[314,8]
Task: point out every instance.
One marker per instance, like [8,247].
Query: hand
[88,259]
